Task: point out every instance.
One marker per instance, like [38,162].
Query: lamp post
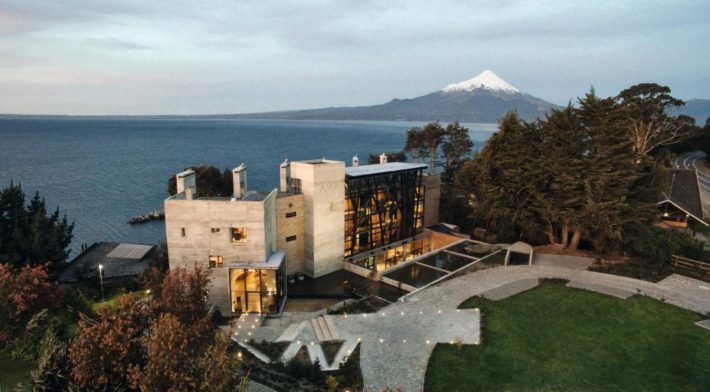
[101,279]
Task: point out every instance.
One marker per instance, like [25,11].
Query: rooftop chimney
[239,181]
[383,158]
[285,176]
[356,161]
[185,182]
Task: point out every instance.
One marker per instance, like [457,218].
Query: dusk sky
[193,57]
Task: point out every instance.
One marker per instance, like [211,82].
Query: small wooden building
[681,206]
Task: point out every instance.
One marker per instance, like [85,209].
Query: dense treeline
[588,173]
[29,235]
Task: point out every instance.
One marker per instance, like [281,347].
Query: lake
[102,171]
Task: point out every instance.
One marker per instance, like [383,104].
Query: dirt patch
[273,350]
[330,349]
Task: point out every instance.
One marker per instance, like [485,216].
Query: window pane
[252,280]
[268,280]
[239,234]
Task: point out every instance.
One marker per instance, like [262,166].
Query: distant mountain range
[698,109]
[485,98]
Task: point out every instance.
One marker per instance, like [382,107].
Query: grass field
[12,372]
[555,338]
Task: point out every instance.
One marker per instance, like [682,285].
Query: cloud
[115,44]
[267,55]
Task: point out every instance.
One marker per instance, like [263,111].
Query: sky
[93,57]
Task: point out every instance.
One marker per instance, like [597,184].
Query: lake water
[102,171]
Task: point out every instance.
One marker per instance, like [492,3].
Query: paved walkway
[396,343]
[408,371]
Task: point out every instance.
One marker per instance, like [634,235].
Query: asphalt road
[697,160]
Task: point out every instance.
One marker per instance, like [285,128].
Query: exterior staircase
[324,329]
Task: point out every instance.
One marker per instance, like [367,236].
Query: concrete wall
[323,187]
[199,216]
[432,198]
[285,227]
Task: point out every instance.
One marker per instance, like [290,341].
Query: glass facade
[257,290]
[382,209]
[383,259]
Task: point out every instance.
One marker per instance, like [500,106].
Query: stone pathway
[510,289]
[603,289]
[396,343]
[563,261]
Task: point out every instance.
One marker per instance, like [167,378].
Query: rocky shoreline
[151,216]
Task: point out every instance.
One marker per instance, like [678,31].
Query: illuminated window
[216,261]
[239,234]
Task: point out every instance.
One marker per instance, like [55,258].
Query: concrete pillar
[284,176]
[383,158]
[185,182]
[239,181]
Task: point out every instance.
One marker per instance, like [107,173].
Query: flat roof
[118,260]
[129,251]
[382,168]
[273,262]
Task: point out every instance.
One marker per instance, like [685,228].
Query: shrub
[657,245]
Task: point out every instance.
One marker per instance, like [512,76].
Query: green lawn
[554,338]
[13,371]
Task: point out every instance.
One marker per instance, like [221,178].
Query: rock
[153,215]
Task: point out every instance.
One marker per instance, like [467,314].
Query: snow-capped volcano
[485,80]
[485,98]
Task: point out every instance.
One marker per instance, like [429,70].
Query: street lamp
[101,279]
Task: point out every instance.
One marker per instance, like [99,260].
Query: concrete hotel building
[323,217]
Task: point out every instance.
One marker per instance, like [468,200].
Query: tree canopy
[649,124]
[392,156]
[210,181]
[29,235]
[572,176]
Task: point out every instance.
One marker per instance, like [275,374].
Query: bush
[657,245]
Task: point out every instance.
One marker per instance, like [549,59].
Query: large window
[256,290]
[239,234]
[382,209]
[388,257]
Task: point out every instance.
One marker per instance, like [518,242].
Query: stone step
[291,332]
[316,329]
[335,334]
[324,328]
